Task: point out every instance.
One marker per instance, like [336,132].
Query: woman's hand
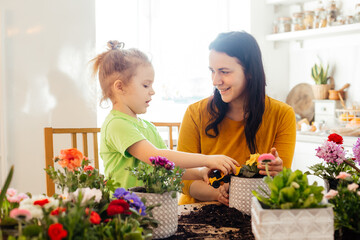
[221,162]
[223,196]
[275,166]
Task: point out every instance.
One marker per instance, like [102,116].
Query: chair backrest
[49,148]
[170,126]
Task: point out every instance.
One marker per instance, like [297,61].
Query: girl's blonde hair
[117,63]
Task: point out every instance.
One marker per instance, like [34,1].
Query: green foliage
[290,190]
[319,75]
[346,205]
[158,179]
[329,171]
[4,205]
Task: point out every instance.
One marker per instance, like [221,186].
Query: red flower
[41,202]
[56,231]
[88,168]
[70,158]
[58,210]
[118,206]
[95,218]
[336,138]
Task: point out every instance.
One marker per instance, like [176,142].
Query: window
[176,35]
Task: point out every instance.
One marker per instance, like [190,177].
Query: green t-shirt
[118,132]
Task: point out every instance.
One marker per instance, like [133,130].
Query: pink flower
[352,187]
[20,214]
[332,193]
[88,168]
[11,192]
[356,151]
[266,156]
[331,152]
[343,175]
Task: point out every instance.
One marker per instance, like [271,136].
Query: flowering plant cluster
[335,160]
[77,173]
[290,190]
[84,209]
[346,204]
[162,177]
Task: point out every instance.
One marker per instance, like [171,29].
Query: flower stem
[20,229]
[352,165]
[267,169]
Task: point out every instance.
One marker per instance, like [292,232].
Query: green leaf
[6,185]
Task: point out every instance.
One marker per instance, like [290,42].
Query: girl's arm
[143,150]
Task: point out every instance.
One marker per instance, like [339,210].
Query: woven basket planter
[279,224]
[166,214]
[240,192]
[321,91]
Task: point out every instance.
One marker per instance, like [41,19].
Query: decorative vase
[166,213]
[321,91]
[240,192]
[308,223]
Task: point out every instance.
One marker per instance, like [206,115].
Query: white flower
[35,210]
[352,187]
[87,194]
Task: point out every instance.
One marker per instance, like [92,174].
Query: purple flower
[120,193]
[136,203]
[331,152]
[356,151]
[162,161]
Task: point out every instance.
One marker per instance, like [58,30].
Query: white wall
[46,82]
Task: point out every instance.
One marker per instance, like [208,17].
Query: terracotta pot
[321,91]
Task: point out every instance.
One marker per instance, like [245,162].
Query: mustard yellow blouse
[278,129]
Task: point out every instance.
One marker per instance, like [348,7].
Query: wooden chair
[49,148]
[170,126]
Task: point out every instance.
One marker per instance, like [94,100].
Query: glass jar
[320,18]
[297,22]
[284,24]
[309,19]
[332,13]
[349,20]
[275,26]
[357,13]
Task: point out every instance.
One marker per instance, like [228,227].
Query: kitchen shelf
[315,33]
[286,2]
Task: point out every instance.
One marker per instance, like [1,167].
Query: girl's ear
[118,86]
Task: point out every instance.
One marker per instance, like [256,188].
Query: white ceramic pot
[280,224]
[240,192]
[166,214]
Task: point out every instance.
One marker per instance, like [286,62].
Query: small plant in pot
[336,161]
[161,184]
[321,78]
[292,209]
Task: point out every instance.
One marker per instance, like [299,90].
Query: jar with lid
[357,13]
[309,19]
[297,22]
[320,18]
[349,19]
[332,13]
[284,24]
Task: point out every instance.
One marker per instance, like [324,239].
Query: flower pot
[321,91]
[240,192]
[311,223]
[166,214]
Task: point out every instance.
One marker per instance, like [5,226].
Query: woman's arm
[143,150]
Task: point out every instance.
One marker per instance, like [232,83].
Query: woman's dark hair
[245,49]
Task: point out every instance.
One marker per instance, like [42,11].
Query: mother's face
[228,76]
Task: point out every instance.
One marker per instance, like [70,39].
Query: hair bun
[114,44]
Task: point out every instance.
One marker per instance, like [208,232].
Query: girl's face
[227,76]
[137,94]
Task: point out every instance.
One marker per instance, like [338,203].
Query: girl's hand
[275,166]
[204,173]
[223,196]
[221,162]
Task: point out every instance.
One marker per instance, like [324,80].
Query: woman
[239,119]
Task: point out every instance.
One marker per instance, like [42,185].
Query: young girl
[126,77]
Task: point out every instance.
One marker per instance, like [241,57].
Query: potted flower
[292,210]
[346,205]
[161,184]
[336,161]
[320,76]
[244,181]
